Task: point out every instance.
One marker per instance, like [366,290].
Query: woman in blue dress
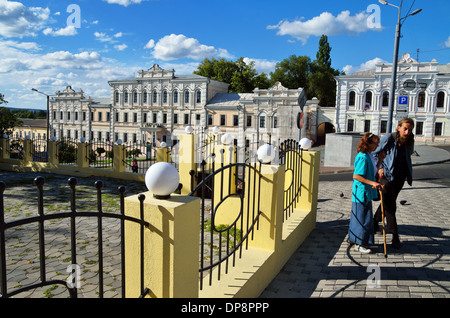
[365,189]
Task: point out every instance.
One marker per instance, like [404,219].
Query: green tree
[242,77]
[321,82]
[8,120]
[292,72]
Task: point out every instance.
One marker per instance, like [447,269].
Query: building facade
[423,94]
[157,106]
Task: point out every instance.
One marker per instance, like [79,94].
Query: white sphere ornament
[82,139]
[305,143]
[226,139]
[54,138]
[163,144]
[266,153]
[162,179]
[189,129]
[216,130]
[119,141]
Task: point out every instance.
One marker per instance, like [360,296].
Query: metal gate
[73,216]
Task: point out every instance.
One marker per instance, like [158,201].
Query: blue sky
[49,44]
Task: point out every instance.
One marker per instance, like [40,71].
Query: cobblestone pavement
[326,266]
[22,242]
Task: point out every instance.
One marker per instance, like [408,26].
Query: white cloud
[120,47]
[150,44]
[326,24]
[369,65]
[124,3]
[16,20]
[173,47]
[447,43]
[67,31]
[262,65]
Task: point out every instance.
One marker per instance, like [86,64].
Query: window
[76,115]
[419,128]
[275,122]
[68,115]
[438,129]
[235,120]
[116,97]
[350,125]
[385,100]
[125,117]
[117,118]
[145,117]
[421,100]
[144,98]
[175,118]
[165,97]
[366,125]
[164,118]
[175,97]
[135,119]
[351,98]
[155,97]
[249,121]
[186,97]
[210,119]
[154,117]
[223,120]
[368,101]
[99,135]
[262,121]
[199,96]
[440,101]
[383,126]
[99,116]
[125,97]
[135,97]
[186,119]
[108,116]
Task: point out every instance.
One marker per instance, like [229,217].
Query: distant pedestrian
[134,167]
[365,189]
[396,168]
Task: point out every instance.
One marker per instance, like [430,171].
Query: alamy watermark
[74,18]
[374,19]
[374,279]
[74,278]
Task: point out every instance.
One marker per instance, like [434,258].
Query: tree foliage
[8,120]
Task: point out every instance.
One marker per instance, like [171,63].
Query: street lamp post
[395,60]
[48,107]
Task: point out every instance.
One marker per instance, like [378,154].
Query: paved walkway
[327,266]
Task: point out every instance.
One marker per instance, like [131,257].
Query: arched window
[385,99]
[165,97]
[175,97]
[186,97]
[421,100]
[125,97]
[199,96]
[155,97]
[351,98]
[144,98]
[116,97]
[440,100]
[368,100]
[135,97]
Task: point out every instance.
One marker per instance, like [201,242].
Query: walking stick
[382,222]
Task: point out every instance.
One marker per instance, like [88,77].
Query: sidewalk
[327,266]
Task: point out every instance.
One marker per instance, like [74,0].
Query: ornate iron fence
[71,234]
[221,243]
[139,156]
[291,155]
[100,154]
[40,150]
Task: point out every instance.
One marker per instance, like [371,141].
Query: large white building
[157,106]
[423,93]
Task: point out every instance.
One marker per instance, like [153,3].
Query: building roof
[229,99]
[34,123]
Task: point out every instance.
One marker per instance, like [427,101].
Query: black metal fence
[139,156]
[71,234]
[100,154]
[291,156]
[67,150]
[40,150]
[220,244]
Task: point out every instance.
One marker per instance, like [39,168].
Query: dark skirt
[360,229]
